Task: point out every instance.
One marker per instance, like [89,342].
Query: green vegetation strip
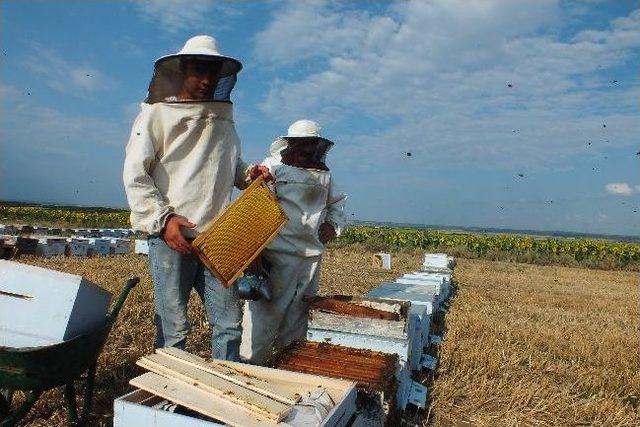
[538,250]
[69,217]
[594,253]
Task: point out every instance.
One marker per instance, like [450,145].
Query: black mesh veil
[308,152]
[168,78]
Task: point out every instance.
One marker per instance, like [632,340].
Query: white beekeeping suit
[183,156]
[181,164]
[309,197]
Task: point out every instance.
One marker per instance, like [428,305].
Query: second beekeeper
[307,192]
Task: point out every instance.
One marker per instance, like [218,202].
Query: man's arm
[149,210]
[246,173]
[335,219]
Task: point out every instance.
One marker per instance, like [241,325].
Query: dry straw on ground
[532,345]
[525,345]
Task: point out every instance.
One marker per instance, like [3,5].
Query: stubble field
[524,344]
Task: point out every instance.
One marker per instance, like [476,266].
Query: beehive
[51,246]
[141,247]
[355,329]
[99,246]
[39,306]
[240,233]
[78,247]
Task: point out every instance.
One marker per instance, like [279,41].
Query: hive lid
[240,233]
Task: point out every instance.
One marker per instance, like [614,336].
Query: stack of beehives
[395,318]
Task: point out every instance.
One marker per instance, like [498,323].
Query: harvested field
[526,345]
[532,345]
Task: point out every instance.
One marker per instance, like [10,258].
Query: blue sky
[430,78]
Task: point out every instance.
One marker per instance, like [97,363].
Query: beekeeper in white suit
[306,191]
[182,161]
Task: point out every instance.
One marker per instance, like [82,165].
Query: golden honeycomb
[240,233]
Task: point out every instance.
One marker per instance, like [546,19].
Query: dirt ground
[524,344]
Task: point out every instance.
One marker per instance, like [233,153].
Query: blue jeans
[174,275]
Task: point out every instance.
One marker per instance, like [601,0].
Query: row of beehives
[35,230]
[380,342]
[48,246]
[16,240]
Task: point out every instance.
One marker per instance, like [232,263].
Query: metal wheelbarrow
[38,369]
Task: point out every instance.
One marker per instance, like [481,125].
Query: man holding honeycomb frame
[182,162]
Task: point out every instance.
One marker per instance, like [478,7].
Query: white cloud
[62,75]
[313,29]
[433,76]
[621,189]
[181,15]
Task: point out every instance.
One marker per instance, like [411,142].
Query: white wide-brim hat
[299,129]
[201,47]
[305,129]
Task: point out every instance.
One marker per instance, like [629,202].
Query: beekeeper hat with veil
[202,51]
[303,138]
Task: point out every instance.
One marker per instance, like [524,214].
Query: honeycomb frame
[231,243]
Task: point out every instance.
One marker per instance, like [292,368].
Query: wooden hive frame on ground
[232,393]
[240,233]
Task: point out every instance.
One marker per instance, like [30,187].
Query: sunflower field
[70,217]
[597,253]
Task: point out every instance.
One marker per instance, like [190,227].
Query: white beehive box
[100,246]
[10,230]
[425,274]
[437,283]
[78,247]
[416,294]
[422,304]
[41,307]
[141,247]
[401,337]
[81,232]
[51,246]
[35,230]
[107,232]
[137,408]
[120,246]
[436,260]
[121,232]
[382,260]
